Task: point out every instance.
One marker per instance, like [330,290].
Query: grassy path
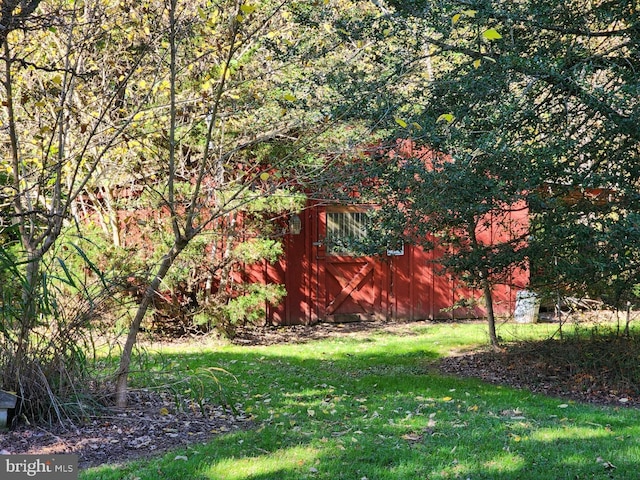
[371,407]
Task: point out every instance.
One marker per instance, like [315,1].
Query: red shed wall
[409,286]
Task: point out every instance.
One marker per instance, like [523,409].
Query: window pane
[346,231]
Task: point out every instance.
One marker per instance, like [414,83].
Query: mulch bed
[558,369]
[151,425]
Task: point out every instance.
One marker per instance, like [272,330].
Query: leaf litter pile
[153,423]
[599,370]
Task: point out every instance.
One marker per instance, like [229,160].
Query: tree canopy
[536,102]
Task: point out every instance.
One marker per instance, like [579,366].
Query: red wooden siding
[322,286]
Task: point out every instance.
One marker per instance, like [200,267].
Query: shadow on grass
[376,410]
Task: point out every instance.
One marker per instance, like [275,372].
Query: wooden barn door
[351,287]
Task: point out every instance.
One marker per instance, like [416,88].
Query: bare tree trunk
[486,288]
[112,215]
[628,320]
[491,319]
[122,376]
[29,313]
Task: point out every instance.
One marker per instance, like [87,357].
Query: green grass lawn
[372,407]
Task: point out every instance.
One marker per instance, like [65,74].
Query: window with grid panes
[346,232]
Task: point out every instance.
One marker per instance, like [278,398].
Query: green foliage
[251,305]
[257,249]
[45,358]
[596,257]
[244,305]
[277,202]
[10,275]
[533,102]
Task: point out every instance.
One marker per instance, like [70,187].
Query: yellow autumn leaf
[447,117]
[289,97]
[468,13]
[164,411]
[401,122]
[416,125]
[446,399]
[476,63]
[247,8]
[491,34]
[57,80]
[264,176]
